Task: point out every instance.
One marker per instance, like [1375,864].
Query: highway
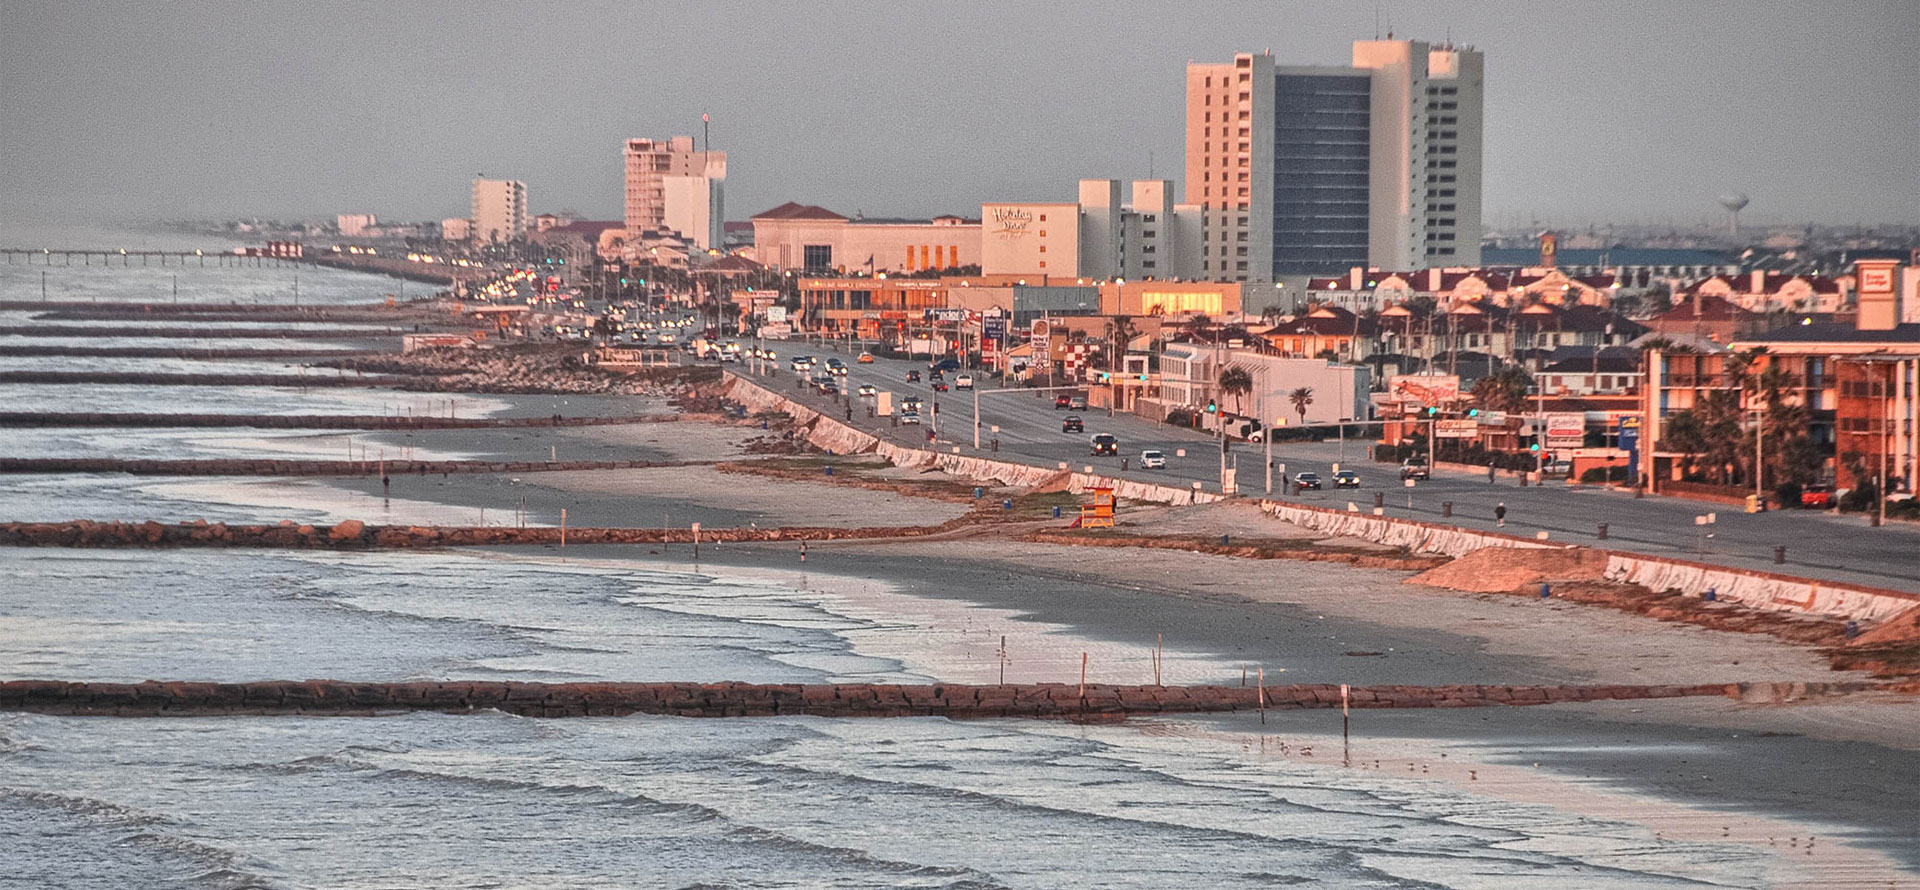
[1818,544]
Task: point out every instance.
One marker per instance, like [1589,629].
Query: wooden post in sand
[1263,695]
[1003,657]
[1346,751]
[1083,675]
[563,526]
[1159,648]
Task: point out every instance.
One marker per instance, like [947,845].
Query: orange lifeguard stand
[1098,514]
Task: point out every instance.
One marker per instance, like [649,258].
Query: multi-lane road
[1028,426]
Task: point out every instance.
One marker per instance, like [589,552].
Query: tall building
[672,187]
[1103,236]
[1302,170]
[499,210]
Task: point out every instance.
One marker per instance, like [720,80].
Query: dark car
[913,376]
[1307,481]
[936,375]
[1072,424]
[1105,443]
[1346,479]
[945,364]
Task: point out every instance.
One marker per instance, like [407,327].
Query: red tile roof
[796,210]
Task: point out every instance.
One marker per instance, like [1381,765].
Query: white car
[963,381]
[1153,460]
[867,390]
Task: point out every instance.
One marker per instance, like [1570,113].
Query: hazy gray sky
[1612,111]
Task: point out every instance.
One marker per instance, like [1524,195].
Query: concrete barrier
[1755,589]
[825,432]
[954,701]
[1759,590]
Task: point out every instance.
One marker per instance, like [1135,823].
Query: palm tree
[1503,390]
[1301,398]
[1120,332]
[1235,381]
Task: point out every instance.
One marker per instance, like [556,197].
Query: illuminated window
[909,257]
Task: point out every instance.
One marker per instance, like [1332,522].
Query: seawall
[956,701]
[241,466]
[356,535]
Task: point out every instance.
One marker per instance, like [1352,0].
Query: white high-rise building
[1302,170]
[672,187]
[499,210]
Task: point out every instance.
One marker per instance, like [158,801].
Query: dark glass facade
[1320,158]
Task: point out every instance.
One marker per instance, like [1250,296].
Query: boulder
[348,530]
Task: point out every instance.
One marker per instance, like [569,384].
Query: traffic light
[1535,448]
[1213,407]
[1473,412]
[1432,411]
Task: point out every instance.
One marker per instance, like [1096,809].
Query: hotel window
[1043,232]
[909,257]
[923,256]
[1043,264]
[1043,248]
[939,256]
[1043,217]
[817,258]
[953,254]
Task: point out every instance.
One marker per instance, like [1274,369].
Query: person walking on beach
[1500,514]
[1490,471]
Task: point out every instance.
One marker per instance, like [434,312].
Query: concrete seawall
[196,333]
[825,432]
[322,421]
[956,701]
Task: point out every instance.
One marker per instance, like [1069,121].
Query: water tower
[1733,201]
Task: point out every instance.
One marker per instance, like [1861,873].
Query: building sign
[1040,333]
[1876,279]
[774,314]
[1456,429]
[1493,418]
[946,316]
[1566,429]
[1009,223]
[1549,248]
[1424,389]
[1630,439]
[993,327]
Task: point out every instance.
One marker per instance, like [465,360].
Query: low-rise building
[1361,290]
[1190,378]
[816,241]
[1759,291]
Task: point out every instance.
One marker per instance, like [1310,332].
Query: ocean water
[142,398]
[192,283]
[492,800]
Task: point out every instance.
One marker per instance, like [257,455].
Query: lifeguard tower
[1098,514]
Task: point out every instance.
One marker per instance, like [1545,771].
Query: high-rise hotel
[1306,170]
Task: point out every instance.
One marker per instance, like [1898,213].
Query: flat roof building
[817,241]
[672,187]
[499,210]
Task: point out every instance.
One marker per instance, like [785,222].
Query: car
[1415,468]
[1062,401]
[866,358]
[665,339]
[940,386]
[936,375]
[913,376]
[867,391]
[829,388]
[1077,403]
[1072,425]
[1153,460]
[1104,443]
[1346,479]
[1558,468]
[1819,496]
[909,417]
[963,381]
[801,363]
[911,403]
[836,367]
[945,364]
[1307,481]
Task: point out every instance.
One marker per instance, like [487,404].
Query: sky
[1596,112]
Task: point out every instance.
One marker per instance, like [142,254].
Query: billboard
[1423,389]
[1456,429]
[1566,429]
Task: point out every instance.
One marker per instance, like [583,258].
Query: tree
[1120,332]
[1301,398]
[1235,381]
[1683,436]
[1503,390]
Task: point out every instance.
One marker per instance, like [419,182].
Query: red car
[1063,400]
[1820,496]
